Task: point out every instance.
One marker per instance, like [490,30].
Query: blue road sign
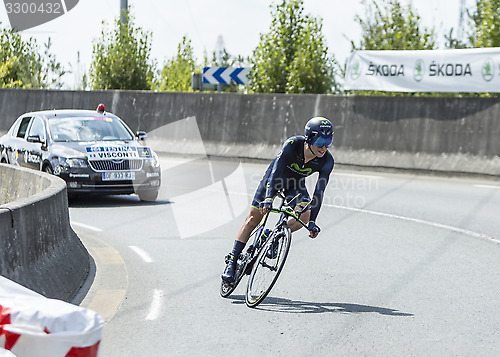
[226,75]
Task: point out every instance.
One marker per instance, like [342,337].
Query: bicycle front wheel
[267,267]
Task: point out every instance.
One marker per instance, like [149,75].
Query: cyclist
[299,157]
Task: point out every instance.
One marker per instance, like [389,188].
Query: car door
[17,146]
[35,143]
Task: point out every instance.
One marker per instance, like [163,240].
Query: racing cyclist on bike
[299,157]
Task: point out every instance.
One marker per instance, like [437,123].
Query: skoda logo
[356,70]
[488,70]
[119,161]
[418,71]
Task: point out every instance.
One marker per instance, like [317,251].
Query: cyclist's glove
[267,203]
[313,227]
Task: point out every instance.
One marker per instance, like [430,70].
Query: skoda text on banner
[464,70]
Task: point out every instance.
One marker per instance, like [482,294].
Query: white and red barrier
[35,326]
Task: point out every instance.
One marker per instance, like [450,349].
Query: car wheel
[149,196]
[48,169]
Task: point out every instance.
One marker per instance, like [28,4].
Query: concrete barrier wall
[38,248]
[438,133]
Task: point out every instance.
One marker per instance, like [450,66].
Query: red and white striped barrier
[5,353]
[32,325]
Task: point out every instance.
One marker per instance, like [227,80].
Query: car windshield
[88,129]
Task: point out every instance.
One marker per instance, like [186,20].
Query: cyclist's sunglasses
[322,141]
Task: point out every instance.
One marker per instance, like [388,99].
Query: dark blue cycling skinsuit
[288,172]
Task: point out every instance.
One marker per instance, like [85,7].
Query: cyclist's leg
[253,219]
[295,226]
[251,222]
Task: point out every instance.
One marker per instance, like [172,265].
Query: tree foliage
[52,70]
[177,71]
[390,26]
[486,21]
[22,66]
[454,43]
[293,56]
[121,58]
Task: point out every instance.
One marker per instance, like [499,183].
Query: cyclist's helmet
[319,132]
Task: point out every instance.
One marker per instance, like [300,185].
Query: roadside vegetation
[293,57]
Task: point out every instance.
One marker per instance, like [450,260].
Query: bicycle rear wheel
[266,271]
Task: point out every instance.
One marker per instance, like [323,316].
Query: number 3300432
[32,8]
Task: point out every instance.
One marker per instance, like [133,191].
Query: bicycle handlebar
[289,212]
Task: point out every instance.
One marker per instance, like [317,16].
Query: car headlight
[154,160]
[72,163]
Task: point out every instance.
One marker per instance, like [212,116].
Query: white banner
[467,70]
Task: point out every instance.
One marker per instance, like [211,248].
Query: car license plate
[116,176]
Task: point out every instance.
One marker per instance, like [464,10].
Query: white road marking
[141,253]
[415,220]
[487,186]
[359,175]
[86,226]
[154,309]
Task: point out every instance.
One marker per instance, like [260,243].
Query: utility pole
[460,30]
[123,11]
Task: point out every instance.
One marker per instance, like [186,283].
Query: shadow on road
[111,201]
[304,307]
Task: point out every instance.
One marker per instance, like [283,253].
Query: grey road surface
[405,265]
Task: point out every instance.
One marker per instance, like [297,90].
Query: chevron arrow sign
[226,75]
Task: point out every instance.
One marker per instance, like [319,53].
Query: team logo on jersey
[295,167]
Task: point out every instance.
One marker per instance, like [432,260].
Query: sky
[239,22]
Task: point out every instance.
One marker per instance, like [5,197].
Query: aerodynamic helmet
[319,132]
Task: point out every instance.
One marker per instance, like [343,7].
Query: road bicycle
[265,257]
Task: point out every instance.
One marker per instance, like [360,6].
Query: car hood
[85,149]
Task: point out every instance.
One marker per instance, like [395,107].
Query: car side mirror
[34,139]
[142,135]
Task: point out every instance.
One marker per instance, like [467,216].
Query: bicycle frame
[268,261]
[286,212]
[247,259]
